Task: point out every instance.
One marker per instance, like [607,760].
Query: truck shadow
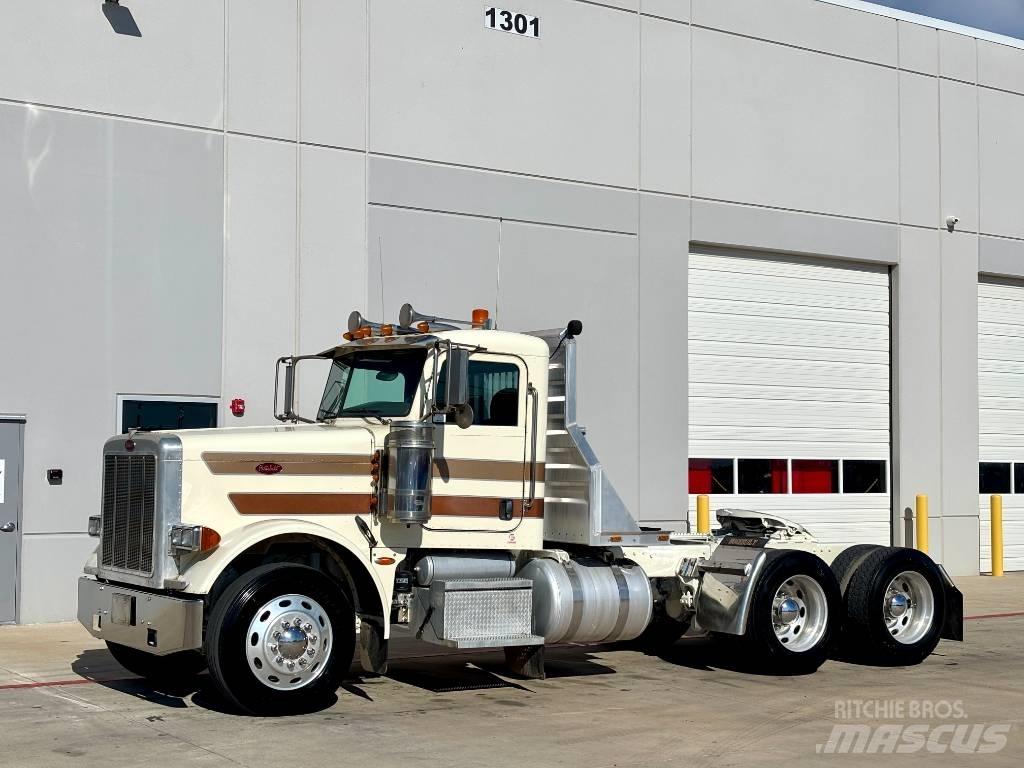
[435,674]
[706,655]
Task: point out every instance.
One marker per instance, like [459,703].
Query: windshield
[372,383]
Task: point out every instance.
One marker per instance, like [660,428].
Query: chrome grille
[129,503]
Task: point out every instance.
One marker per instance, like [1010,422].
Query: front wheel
[895,607]
[793,614]
[280,639]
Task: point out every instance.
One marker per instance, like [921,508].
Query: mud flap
[953,624]
[373,647]
[526,661]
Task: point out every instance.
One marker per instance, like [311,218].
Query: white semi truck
[445,484]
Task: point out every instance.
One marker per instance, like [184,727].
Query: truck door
[481,473]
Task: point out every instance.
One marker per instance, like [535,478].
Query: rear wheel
[172,669]
[280,639]
[895,607]
[793,613]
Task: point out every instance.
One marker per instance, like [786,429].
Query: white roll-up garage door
[790,391]
[1001,416]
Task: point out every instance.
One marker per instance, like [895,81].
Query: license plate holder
[122,609]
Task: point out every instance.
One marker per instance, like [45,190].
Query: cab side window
[493,392]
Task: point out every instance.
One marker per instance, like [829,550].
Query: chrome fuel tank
[588,601]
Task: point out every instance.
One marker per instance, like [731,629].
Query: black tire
[229,624]
[848,561]
[772,654]
[174,669]
[867,635]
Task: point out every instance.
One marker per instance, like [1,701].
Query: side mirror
[287,412]
[457,385]
[453,397]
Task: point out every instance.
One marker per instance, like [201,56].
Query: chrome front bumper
[155,623]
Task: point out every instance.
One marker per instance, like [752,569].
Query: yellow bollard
[921,519]
[996,508]
[703,514]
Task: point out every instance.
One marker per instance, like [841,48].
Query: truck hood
[356,438]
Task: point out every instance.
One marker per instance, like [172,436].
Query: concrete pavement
[64,701]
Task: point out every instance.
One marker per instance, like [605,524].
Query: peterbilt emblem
[268,468]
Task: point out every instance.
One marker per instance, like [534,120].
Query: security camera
[951,222]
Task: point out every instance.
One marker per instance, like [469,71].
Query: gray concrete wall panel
[155,60]
[429,186]
[1000,66]
[743,226]
[662,374]
[550,275]
[664,106]
[259,295]
[332,255]
[442,264]
[804,24]
[959,324]
[559,106]
[333,86]
[50,567]
[958,135]
[1001,162]
[958,57]
[917,378]
[677,10]
[94,210]
[1001,257]
[919,151]
[919,48]
[263,42]
[789,128]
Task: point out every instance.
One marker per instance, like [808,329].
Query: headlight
[95,525]
[193,538]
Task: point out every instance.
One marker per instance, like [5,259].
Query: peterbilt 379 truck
[445,484]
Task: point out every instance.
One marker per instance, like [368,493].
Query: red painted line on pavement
[51,683]
[995,615]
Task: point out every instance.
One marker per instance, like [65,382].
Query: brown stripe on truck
[477,469]
[291,463]
[355,464]
[359,503]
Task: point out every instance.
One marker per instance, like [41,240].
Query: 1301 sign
[508,21]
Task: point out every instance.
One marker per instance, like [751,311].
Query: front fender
[202,573]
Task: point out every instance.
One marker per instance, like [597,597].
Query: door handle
[8,527]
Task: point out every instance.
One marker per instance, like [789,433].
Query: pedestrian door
[11,444]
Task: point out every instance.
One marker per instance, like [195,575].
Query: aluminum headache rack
[581,505]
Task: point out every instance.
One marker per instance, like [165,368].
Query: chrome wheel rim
[799,613]
[289,642]
[908,607]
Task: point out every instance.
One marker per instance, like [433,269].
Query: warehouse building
[793,230]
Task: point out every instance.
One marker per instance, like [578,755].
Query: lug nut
[291,665]
[273,649]
[279,659]
[308,627]
[312,638]
[311,653]
[302,662]
[277,635]
[285,624]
